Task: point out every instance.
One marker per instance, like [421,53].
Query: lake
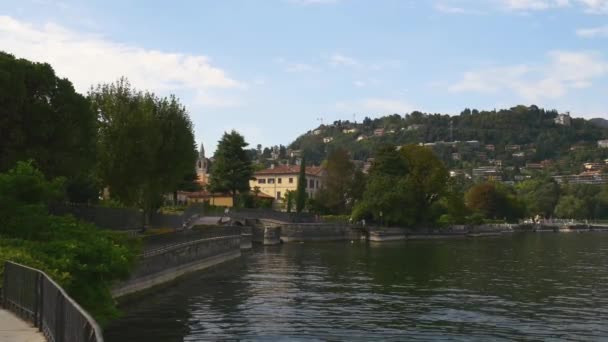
[522,286]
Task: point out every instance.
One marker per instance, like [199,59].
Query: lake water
[521,286]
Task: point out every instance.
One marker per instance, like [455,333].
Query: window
[279,180]
[290,180]
[270,180]
[317,184]
[278,195]
[261,180]
[311,183]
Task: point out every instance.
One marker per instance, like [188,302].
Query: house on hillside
[350,130]
[379,132]
[276,181]
[563,119]
[602,143]
[328,139]
[487,173]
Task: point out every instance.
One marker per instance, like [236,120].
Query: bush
[83,259]
[336,218]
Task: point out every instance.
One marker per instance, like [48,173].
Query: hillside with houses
[508,145]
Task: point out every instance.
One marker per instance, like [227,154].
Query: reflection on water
[522,286]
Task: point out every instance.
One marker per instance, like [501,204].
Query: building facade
[276,181]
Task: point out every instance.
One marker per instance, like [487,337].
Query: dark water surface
[521,286]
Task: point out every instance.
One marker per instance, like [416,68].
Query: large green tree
[146,144]
[494,201]
[403,186]
[44,119]
[232,168]
[540,196]
[336,194]
[570,207]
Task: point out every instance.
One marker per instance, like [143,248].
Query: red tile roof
[289,169]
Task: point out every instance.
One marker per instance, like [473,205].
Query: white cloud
[589,6]
[340,60]
[375,106]
[535,4]
[444,8]
[595,6]
[359,84]
[312,2]
[289,66]
[601,31]
[565,71]
[88,59]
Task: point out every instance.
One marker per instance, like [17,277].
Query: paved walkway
[13,329]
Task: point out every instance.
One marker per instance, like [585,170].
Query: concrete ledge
[173,273]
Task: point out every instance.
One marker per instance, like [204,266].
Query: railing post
[36,308]
[5,284]
[59,318]
[41,301]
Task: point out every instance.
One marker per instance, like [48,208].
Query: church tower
[202,167]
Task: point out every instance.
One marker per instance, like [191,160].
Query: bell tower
[202,166]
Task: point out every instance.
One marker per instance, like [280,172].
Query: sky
[274,69]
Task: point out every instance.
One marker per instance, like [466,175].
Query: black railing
[35,297]
[273,215]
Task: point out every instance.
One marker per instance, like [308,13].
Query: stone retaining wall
[318,232]
[165,264]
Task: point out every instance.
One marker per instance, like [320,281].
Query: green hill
[470,139]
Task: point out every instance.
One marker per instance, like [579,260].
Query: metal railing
[35,297]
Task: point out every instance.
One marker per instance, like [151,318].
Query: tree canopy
[402,186]
[44,119]
[232,169]
[146,144]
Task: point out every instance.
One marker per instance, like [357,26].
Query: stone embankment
[269,232]
[167,257]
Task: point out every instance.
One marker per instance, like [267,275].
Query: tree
[289,199]
[540,196]
[339,182]
[44,119]
[146,144]
[570,207]
[494,201]
[232,168]
[403,186]
[301,189]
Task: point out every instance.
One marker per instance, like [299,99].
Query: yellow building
[277,180]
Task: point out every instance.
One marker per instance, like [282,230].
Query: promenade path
[13,329]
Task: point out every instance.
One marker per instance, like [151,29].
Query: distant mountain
[599,122]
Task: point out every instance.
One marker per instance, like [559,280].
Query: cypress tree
[301,192]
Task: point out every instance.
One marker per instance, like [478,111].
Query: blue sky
[273,69]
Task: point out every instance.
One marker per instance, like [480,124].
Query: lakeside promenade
[13,329]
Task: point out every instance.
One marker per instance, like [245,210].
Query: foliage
[44,119]
[403,186]
[336,218]
[146,144]
[82,258]
[540,196]
[301,188]
[337,193]
[570,207]
[290,197]
[232,168]
[528,126]
[494,201]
